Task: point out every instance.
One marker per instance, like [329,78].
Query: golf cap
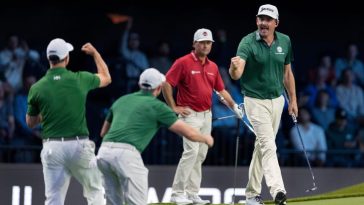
[268,10]
[203,34]
[58,47]
[151,78]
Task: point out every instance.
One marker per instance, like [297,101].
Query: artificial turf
[348,195]
[353,195]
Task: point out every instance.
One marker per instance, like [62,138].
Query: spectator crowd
[331,105]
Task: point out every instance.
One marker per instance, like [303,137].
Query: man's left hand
[239,112]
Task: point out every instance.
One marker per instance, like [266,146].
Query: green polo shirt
[264,69]
[135,118]
[60,98]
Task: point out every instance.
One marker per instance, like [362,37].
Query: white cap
[59,47]
[268,10]
[203,34]
[151,78]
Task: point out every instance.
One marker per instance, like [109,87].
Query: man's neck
[202,58]
[269,39]
[58,65]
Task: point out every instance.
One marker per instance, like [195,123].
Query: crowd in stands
[331,106]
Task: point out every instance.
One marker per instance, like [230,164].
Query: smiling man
[263,65]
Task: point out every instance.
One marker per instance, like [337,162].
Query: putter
[294,119]
[236,158]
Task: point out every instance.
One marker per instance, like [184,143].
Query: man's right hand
[235,62]
[209,140]
[89,49]
[184,111]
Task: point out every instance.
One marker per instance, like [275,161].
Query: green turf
[353,195]
[336,201]
[342,194]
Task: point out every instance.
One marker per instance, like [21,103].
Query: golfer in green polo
[263,65]
[57,102]
[129,127]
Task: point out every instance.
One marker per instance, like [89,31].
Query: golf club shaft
[225,117]
[236,158]
[304,149]
[294,119]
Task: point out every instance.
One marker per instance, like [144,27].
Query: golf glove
[239,112]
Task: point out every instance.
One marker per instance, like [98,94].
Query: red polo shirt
[194,81]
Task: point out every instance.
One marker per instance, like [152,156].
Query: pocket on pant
[86,157]
[48,156]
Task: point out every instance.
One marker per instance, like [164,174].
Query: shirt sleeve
[33,107]
[219,84]
[88,81]
[165,116]
[243,49]
[175,73]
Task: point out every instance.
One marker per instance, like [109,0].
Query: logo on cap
[203,34]
[264,8]
[268,10]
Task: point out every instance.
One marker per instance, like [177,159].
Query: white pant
[265,116]
[63,159]
[188,174]
[124,173]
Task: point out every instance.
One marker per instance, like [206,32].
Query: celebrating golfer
[263,65]
[129,127]
[196,77]
[57,101]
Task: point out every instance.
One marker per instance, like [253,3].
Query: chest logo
[57,77]
[195,72]
[279,50]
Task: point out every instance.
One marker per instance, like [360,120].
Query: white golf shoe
[197,200]
[257,200]
[180,199]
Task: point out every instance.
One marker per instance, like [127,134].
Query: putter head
[312,189]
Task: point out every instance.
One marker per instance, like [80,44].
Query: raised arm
[102,69]
[237,66]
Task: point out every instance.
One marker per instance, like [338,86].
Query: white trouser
[63,159]
[124,173]
[188,174]
[265,116]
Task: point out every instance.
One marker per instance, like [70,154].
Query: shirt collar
[259,38]
[57,70]
[195,58]
[144,93]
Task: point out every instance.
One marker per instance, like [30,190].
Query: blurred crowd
[331,105]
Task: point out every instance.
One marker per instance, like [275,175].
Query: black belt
[65,138]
